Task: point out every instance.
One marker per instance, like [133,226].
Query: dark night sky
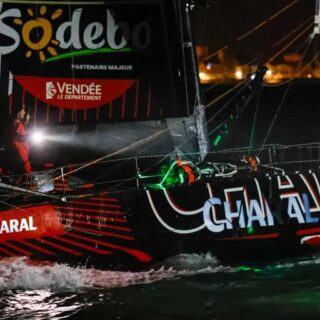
[222,23]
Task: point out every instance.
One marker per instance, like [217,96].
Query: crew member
[252,162]
[18,141]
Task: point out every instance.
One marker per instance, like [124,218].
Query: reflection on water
[38,304]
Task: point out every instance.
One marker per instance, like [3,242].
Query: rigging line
[267,20]
[213,86]
[74,109]
[188,139]
[14,207]
[228,102]
[132,146]
[252,30]
[126,161]
[298,72]
[253,129]
[293,31]
[281,103]
[212,102]
[207,122]
[290,43]
[142,141]
[256,58]
[296,75]
[23,190]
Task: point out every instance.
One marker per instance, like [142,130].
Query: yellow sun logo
[37,33]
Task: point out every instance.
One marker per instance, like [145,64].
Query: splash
[21,273]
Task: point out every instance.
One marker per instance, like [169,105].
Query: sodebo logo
[68,34]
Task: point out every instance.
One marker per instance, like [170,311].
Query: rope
[253,129]
[290,43]
[281,103]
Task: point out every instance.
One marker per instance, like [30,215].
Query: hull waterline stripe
[308,231]
[261,236]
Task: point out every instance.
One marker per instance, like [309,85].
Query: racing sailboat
[124,177]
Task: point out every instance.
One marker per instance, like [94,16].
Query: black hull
[262,218]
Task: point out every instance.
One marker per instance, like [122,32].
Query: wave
[21,273]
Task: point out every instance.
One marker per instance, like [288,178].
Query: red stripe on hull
[67,216]
[20,250]
[89,210]
[99,232]
[83,246]
[139,255]
[308,231]
[260,236]
[37,248]
[62,248]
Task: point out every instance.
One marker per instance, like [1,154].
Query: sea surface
[188,286]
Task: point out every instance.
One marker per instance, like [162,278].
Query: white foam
[21,273]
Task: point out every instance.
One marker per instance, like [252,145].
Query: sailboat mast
[199,109]
[316,29]
[188,44]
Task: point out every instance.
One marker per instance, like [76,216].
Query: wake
[21,273]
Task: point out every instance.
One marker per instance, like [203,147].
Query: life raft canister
[188,171]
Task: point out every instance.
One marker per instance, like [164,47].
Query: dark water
[186,287]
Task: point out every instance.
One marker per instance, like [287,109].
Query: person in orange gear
[253,162]
[18,143]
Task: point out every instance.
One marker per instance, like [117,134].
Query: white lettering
[92,32]
[4,227]
[294,210]
[95,35]
[210,220]
[14,223]
[74,27]
[9,32]
[231,215]
[24,225]
[255,214]
[31,226]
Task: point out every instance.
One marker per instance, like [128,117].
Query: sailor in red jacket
[19,138]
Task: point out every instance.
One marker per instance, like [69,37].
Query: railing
[131,173]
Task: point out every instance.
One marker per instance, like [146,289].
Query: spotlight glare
[37,137]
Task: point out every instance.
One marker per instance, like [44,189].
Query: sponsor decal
[56,36]
[75,93]
[243,207]
[33,222]
[17,225]
[48,33]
